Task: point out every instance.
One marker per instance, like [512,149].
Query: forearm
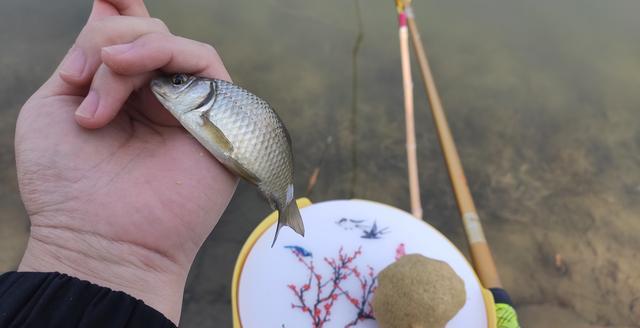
[140,272]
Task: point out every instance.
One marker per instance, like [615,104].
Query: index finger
[169,53]
[130,7]
[129,67]
[102,8]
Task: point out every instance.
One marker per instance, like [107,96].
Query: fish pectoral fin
[227,148]
[243,172]
[217,135]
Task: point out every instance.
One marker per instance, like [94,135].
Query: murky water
[542,96]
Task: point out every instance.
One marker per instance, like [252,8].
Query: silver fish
[242,131]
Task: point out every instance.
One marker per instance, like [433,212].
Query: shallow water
[542,97]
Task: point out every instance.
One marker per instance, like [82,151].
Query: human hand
[118,193]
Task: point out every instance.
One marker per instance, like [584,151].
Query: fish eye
[179,79]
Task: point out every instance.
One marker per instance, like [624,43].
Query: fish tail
[289,216]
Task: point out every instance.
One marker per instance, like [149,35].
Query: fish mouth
[156,88]
[161,95]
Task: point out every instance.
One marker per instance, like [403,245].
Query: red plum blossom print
[317,295]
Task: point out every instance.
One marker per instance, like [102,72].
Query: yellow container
[269,221]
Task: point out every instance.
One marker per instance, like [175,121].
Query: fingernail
[89,106]
[118,49]
[74,63]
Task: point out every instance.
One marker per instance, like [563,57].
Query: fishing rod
[407,84]
[354,100]
[481,256]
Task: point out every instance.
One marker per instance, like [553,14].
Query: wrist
[140,272]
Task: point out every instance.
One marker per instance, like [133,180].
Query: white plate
[272,282]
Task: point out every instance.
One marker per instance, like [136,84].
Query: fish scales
[251,126]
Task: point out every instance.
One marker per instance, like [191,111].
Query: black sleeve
[36,299]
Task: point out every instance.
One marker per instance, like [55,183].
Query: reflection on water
[542,97]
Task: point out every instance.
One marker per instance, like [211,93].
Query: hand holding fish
[118,193]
